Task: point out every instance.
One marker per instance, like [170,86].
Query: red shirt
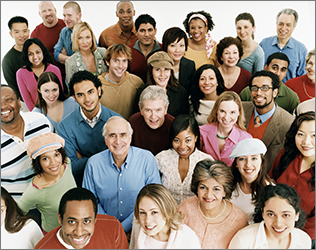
[303,87]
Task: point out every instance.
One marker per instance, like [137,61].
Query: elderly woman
[175,43]
[277,218]
[225,127]
[207,85]
[87,55]
[304,85]
[158,224]
[214,219]
[176,164]
[295,165]
[229,51]
[201,46]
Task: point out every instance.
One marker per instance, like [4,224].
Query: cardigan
[242,81]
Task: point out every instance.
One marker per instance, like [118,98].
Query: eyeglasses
[263,88]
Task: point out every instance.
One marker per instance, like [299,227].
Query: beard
[264,105]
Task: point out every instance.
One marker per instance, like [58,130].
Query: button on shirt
[116,190]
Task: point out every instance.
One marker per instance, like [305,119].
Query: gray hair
[153,92]
[309,55]
[288,11]
[130,130]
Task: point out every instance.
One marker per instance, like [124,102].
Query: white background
[101,14]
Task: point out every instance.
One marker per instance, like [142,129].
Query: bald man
[124,30]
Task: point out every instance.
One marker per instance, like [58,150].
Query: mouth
[259,99]
[305,148]
[54,169]
[248,171]
[6,112]
[279,230]
[183,152]
[208,200]
[150,228]
[79,240]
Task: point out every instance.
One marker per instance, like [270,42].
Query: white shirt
[94,119]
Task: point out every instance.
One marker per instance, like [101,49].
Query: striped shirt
[16,169]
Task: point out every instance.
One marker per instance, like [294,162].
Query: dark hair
[172,83]
[225,43]
[183,122]
[46,77]
[171,35]
[258,184]
[196,93]
[15,219]
[210,24]
[274,78]
[282,191]
[47,58]
[246,16]
[291,151]
[116,50]
[77,194]
[144,18]
[14,90]
[17,19]
[84,75]
[37,168]
[278,55]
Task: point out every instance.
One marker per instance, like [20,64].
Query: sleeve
[301,69]
[127,223]
[236,242]
[152,171]
[28,200]
[294,102]
[26,95]
[121,240]
[259,63]
[244,95]
[184,102]
[36,233]
[273,173]
[9,75]
[57,72]
[70,67]
[135,230]
[58,46]
[102,42]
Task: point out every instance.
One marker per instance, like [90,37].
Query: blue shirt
[266,116]
[116,190]
[295,51]
[63,41]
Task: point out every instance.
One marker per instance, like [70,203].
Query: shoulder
[144,153]
[300,239]
[207,127]
[237,213]
[283,115]
[30,117]
[298,44]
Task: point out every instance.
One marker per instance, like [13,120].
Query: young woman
[53,178]
[51,100]
[37,59]
[87,55]
[229,51]
[212,217]
[18,231]
[295,165]
[175,43]
[207,85]
[158,225]
[277,221]
[176,164]
[201,46]
[225,127]
[253,56]
[250,174]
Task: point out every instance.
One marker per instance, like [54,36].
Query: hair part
[172,82]
[279,56]
[151,93]
[78,28]
[248,17]
[275,81]
[74,5]
[104,130]
[309,55]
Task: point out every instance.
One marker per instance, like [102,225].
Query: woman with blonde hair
[225,127]
[87,55]
[158,224]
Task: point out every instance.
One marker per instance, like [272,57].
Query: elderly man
[81,227]
[116,175]
[152,124]
[124,30]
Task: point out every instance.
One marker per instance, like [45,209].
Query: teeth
[5,112]
[279,230]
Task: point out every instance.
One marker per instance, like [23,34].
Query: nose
[278,221]
[79,229]
[153,114]
[148,219]
[182,144]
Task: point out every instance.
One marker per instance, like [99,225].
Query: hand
[78,155]
[63,51]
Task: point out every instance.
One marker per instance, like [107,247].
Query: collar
[126,162]
[261,241]
[94,119]
[120,31]
[289,44]
[66,245]
[265,116]
[155,48]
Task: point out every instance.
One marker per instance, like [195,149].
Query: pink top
[210,146]
[28,84]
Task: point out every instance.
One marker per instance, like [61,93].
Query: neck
[51,25]
[114,78]
[93,113]
[201,42]
[228,70]
[308,160]
[247,43]
[245,186]
[211,213]
[163,234]
[265,109]
[223,132]
[18,47]
[53,105]
[119,160]
[86,53]
[211,97]
[127,29]
[38,66]
[16,127]
[282,42]
[146,48]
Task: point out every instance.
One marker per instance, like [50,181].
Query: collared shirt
[64,41]
[266,116]
[94,120]
[116,190]
[295,50]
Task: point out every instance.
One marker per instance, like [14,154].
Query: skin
[198,30]
[10,107]
[117,67]
[146,34]
[310,69]
[176,50]
[20,33]
[244,30]
[77,225]
[230,56]
[249,167]
[161,76]
[285,28]
[154,112]
[85,41]
[3,211]
[208,84]
[48,13]
[71,17]
[152,220]
[305,139]
[184,143]
[35,55]
[49,92]
[227,115]
[278,67]
[125,13]
[52,163]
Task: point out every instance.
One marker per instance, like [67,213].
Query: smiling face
[285,26]
[151,219]
[71,17]
[279,218]
[305,139]
[77,225]
[35,55]
[85,40]
[208,82]
[49,92]
[125,13]
[154,112]
[249,167]
[117,67]
[184,143]
[176,50]
[20,33]
[161,76]
[244,30]
[278,67]
[198,30]
[227,114]
[230,56]
[10,106]
[146,34]
[51,162]
[48,12]
[310,69]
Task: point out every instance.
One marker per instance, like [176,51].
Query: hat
[160,59]
[249,146]
[44,143]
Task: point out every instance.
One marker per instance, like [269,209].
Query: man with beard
[266,120]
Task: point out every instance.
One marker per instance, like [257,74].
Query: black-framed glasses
[263,88]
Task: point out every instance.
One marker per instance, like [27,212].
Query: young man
[11,62]
[124,30]
[119,87]
[81,227]
[145,46]
[82,129]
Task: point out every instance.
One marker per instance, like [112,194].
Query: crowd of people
[132,143]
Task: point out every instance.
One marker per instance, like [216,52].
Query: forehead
[84,86]
[243,22]
[208,72]
[147,203]
[278,204]
[119,56]
[7,92]
[79,209]
[2,202]
[69,10]
[146,26]
[262,80]
[117,126]
[211,182]
[231,47]
[85,32]
[125,6]
[153,104]
[44,5]
[19,26]
[278,62]
[285,18]
[228,105]
[34,46]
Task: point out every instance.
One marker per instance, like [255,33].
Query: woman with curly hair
[158,224]
[201,46]
[295,165]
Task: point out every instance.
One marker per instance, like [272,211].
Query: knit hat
[44,143]
[249,146]
[160,59]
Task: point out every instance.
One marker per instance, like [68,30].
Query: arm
[27,200]
[22,83]
[10,75]
[259,63]
[293,103]
[70,67]
[60,54]
[310,224]
[57,72]
[152,172]
[301,68]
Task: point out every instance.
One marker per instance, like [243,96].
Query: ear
[116,13]
[59,219]
[107,63]
[166,111]
[297,216]
[99,91]
[155,31]
[265,67]
[80,14]
[275,93]
[75,98]
[10,34]
[134,12]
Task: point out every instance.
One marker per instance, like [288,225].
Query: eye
[188,140]
[217,189]
[176,140]
[254,158]
[86,221]
[142,213]
[286,215]
[154,212]
[91,91]
[300,134]
[57,154]
[72,222]
[270,214]
[79,95]
[241,159]
[283,70]
[202,187]
[44,159]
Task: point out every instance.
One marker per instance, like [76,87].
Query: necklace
[223,138]
[306,91]
[212,218]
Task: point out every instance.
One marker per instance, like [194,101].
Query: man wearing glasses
[266,120]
